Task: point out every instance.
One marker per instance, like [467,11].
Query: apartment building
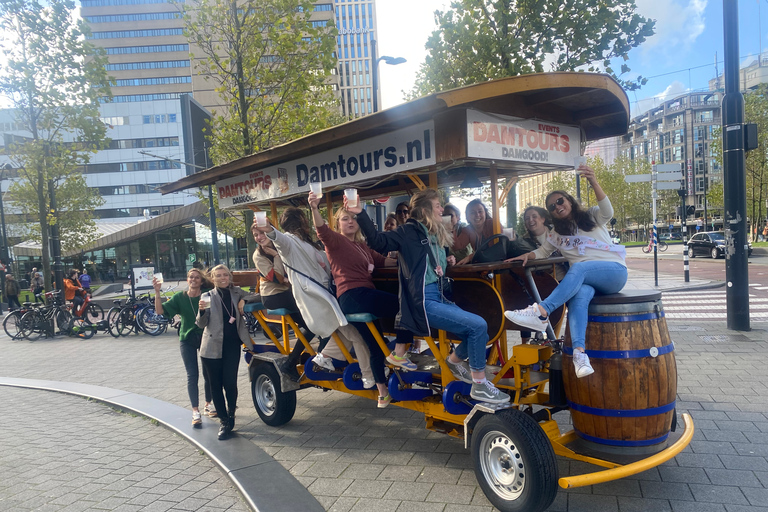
[356,23]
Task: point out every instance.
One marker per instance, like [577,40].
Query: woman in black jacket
[421,244]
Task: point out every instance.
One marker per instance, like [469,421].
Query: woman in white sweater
[597,265]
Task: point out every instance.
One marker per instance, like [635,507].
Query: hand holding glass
[316,188]
[159,277]
[261,219]
[205,300]
[578,162]
[351,195]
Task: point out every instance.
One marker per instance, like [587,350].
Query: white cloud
[674,89]
[678,24]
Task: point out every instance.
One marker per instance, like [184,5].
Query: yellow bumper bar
[636,467]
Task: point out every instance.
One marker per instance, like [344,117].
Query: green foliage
[756,111]
[231,223]
[55,79]
[272,69]
[480,40]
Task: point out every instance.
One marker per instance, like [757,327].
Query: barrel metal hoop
[626,318]
[622,413]
[612,442]
[618,309]
[625,354]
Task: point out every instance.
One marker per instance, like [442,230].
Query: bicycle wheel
[31,325]
[12,325]
[126,321]
[82,328]
[646,249]
[93,313]
[63,320]
[113,318]
[150,322]
[662,246]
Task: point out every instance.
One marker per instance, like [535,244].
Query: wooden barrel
[630,399]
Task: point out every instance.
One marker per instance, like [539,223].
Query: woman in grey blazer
[224,330]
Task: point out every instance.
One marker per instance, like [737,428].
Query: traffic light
[690,210]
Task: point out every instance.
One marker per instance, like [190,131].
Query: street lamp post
[5,254]
[392,61]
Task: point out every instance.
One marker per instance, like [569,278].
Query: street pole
[735,186]
[214,233]
[58,266]
[6,255]
[683,215]
[374,76]
[655,195]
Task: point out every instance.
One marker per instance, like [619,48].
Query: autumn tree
[480,40]
[271,63]
[54,79]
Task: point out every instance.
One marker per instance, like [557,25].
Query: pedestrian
[36,285]
[220,315]
[85,281]
[12,291]
[73,291]
[185,304]
[596,265]
[765,232]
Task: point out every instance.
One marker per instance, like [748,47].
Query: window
[145,165]
[122,18]
[161,48]
[145,97]
[156,142]
[153,81]
[129,66]
[102,3]
[119,34]
[114,121]
[159,118]
[128,189]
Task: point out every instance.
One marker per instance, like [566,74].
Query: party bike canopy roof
[513,126]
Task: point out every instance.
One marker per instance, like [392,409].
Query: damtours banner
[409,148]
[498,137]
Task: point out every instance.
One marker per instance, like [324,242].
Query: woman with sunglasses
[402,212]
[596,265]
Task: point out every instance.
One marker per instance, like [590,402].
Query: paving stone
[719,494]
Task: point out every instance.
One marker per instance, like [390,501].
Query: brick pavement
[354,457]
[65,453]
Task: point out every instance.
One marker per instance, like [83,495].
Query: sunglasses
[558,202]
[402,211]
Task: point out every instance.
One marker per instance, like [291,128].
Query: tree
[480,40]
[55,79]
[756,111]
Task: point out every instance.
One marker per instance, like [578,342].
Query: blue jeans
[583,280]
[472,329]
[189,356]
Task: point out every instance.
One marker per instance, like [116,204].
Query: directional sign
[669,176]
[667,186]
[667,168]
[636,178]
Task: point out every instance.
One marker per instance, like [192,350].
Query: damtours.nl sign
[507,138]
[409,148]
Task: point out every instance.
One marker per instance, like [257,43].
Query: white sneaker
[528,317]
[324,362]
[581,363]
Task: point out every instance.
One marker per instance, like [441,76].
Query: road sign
[637,178]
[667,185]
[666,168]
[669,176]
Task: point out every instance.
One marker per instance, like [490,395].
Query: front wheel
[82,329]
[31,325]
[647,249]
[714,253]
[93,313]
[12,325]
[275,408]
[515,464]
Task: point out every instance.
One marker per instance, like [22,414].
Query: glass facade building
[356,23]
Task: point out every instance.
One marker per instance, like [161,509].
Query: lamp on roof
[470,180]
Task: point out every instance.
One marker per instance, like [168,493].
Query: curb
[265,485]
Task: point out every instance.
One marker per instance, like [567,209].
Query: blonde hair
[204,278]
[421,210]
[220,266]
[359,238]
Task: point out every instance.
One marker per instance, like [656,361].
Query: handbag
[488,253]
[519,247]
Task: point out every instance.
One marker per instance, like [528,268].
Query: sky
[679,57]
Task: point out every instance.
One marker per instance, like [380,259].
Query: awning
[114,234]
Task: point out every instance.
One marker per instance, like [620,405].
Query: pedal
[456,398]
[314,372]
[399,382]
[353,377]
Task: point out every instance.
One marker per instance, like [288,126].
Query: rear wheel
[126,321]
[93,313]
[112,320]
[150,322]
[82,328]
[275,408]
[31,325]
[515,464]
[662,246]
[714,253]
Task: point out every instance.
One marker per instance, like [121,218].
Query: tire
[93,313]
[149,323]
[64,320]
[112,320]
[82,329]
[513,436]
[662,246]
[646,249]
[126,321]
[12,325]
[691,254]
[31,325]
[714,253]
[275,408]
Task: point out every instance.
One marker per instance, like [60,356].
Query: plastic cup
[446,220]
[351,195]
[159,277]
[578,162]
[261,219]
[205,299]
[509,233]
[316,188]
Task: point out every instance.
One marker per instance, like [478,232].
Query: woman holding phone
[220,315]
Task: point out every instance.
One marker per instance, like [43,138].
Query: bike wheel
[126,322]
[646,249]
[63,320]
[31,325]
[662,246]
[12,325]
[113,318]
[82,328]
[150,322]
[93,313]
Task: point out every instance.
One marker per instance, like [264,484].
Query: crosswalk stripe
[694,307]
[710,301]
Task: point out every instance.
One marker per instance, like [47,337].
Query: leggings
[221,374]
[189,356]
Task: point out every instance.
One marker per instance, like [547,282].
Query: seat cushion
[360,317]
[627,297]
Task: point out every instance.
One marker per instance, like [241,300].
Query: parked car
[711,243]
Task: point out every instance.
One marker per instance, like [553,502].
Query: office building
[356,23]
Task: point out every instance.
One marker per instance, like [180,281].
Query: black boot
[225,429]
[288,366]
